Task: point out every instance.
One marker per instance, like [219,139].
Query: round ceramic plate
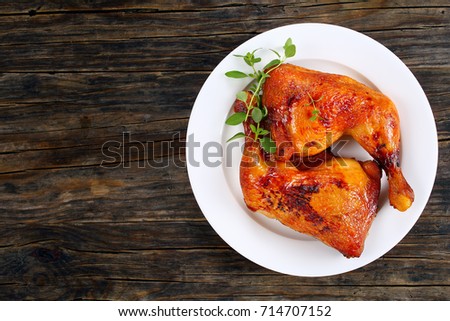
[213,164]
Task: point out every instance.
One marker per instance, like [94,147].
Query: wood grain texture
[79,76]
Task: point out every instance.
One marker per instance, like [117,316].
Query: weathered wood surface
[77,74]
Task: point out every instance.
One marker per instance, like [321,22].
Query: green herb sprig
[315,112]
[254,106]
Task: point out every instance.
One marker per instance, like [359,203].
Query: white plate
[214,170]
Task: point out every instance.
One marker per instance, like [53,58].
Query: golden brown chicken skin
[341,105]
[335,202]
[332,199]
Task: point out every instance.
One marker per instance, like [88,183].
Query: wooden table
[76,75]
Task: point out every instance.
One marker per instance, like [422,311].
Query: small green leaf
[238,135]
[289,48]
[262,76]
[236,119]
[265,111]
[289,51]
[253,87]
[263,132]
[235,74]
[242,96]
[255,60]
[275,52]
[288,43]
[257,115]
[248,58]
[313,118]
[274,62]
[268,145]
[253,128]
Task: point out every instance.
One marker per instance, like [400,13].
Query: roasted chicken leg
[309,110]
[332,199]
[335,201]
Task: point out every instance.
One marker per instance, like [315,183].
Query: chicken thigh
[335,201]
[309,110]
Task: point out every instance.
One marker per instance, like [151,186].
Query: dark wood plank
[93,288]
[153,40]
[24,6]
[49,102]
[41,102]
[198,273]
[91,194]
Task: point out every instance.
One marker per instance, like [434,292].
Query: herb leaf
[315,112]
[253,88]
[242,96]
[236,136]
[251,60]
[265,111]
[257,115]
[289,48]
[235,74]
[272,63]
[263,132]
[236,119]
[275,52]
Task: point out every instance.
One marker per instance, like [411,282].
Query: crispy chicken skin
[332,199]
[294,94]
[334,202]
